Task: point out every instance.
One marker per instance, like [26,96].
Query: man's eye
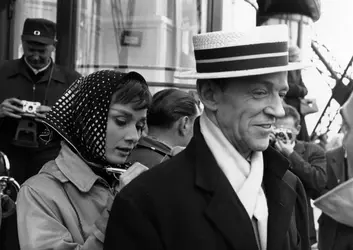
[282,95]
[140,127]
[259,93]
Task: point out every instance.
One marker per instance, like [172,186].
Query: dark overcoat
[188,203]
[308,162]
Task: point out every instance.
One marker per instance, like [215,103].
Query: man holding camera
[28,87]
[307,160]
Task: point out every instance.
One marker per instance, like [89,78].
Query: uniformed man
[29,86]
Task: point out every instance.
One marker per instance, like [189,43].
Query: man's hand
[131,173]
[42,111]
[11,108]
[285,147]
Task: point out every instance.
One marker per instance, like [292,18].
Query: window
[151,37]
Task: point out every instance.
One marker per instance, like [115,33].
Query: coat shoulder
[168,174]
[9,65]
[47,182]
[70,74]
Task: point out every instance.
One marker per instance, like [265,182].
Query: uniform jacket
[64,206]
[150,152]
[16,80]
[334,235]
[308,162]
[188,203]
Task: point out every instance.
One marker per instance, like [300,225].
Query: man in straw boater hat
[228,189]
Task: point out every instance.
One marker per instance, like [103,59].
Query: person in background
[227,189]
[35,78]
[100,119]
[334,235]
[308,160]
[297,91]
[170,121]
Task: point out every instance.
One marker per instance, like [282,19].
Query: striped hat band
[242,57]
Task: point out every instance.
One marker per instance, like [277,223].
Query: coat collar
[225,210]
[20,68]
[72,168]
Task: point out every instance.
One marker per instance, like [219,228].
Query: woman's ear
[209,93]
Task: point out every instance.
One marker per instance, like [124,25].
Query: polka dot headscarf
[80,116]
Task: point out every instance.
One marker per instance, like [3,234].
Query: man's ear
[183,125]
[209,93]
[298,128]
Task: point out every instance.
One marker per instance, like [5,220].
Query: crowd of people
[103,164]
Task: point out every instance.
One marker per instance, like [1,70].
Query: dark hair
[291,112]
[133,91]
[168,106]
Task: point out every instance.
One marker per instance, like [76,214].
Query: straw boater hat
[257,51]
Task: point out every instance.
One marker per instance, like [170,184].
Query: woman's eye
[120,122]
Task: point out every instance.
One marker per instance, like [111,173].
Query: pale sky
[335,30]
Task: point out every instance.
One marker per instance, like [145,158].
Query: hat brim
[38,39]
[242,73]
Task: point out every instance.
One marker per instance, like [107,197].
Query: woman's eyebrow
[123,112]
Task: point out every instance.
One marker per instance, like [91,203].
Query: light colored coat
[64,206]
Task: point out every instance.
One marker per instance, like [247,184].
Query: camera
[282,134]
[30,108]
[26,133]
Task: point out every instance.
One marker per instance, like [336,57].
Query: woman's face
[124,129]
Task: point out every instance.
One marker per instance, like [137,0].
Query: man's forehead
[274,79]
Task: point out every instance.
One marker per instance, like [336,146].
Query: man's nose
[35,56]
[275,107]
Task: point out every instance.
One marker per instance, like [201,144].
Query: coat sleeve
[311,172]
[129,228]
[40,228]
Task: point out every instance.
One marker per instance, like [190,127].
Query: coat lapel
[280,196]
[337,164]
[224,209]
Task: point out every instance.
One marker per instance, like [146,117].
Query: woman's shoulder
[47,181]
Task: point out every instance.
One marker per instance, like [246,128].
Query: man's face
[37,54]
[247,110]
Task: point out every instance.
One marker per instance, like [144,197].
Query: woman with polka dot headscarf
[100,119]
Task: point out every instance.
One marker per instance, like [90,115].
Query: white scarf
[245,179]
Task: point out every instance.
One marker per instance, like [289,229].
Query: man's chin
[260,145]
